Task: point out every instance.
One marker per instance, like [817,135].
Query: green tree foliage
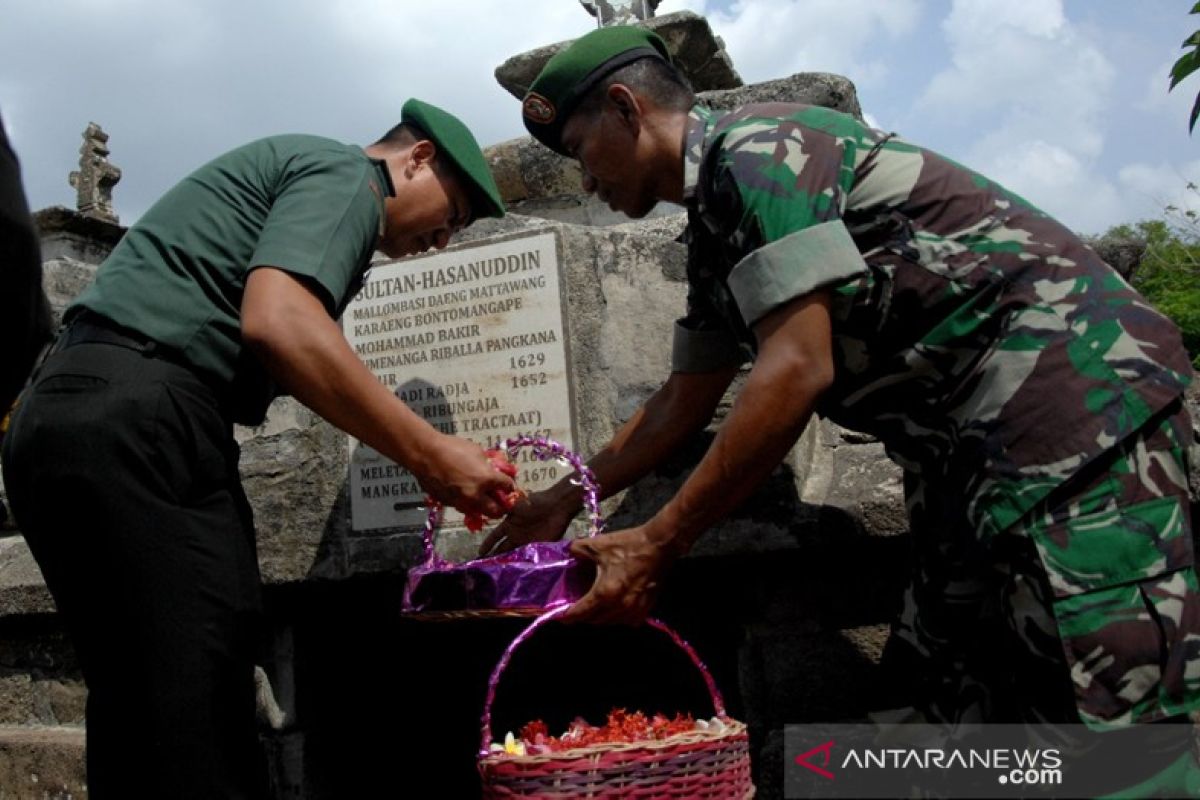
[1187,64]
[1169,275]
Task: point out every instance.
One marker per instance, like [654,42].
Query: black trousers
[122,474]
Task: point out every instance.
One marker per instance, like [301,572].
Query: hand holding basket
[525,581]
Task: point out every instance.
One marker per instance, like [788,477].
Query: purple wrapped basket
[525,581]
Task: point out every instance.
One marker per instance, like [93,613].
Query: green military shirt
[992,352]
[304,204]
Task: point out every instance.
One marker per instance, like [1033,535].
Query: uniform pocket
[1125,602]
[1115,546]
[68,384]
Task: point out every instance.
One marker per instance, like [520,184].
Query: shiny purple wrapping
[534,577]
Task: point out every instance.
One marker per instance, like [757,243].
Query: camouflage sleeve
[797,264]
[781,187]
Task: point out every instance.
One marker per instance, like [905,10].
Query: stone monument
[96,177]
[620,12]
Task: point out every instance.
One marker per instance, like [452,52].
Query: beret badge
[538,109]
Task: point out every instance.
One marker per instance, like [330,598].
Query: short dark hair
[401,134]
[665,85]
[406,134]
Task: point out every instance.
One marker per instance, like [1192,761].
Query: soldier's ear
[626,105]
[422,154]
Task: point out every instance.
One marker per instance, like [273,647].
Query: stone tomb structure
[555,320]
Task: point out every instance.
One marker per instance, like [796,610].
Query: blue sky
[1064,101]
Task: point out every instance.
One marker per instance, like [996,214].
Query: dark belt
[87,327]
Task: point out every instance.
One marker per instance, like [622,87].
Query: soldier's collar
[700,121]
[388,190]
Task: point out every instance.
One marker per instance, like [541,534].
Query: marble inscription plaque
[473,341]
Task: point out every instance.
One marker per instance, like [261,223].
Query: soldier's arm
[285,324]
[680,408]
[794,367]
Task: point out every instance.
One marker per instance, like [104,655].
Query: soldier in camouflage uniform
[1032,397]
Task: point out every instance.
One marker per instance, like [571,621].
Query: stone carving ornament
[96,177]
[620,12]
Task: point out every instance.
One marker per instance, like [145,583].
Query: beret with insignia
[455,142]
[567,78]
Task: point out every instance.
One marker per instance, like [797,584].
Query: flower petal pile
[621,727]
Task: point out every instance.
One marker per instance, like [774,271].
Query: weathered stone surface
[813,88]
[525,169]
[63,279]
[68,234]
[40,683]
[42,763]
[22,589]
[29,700]
[513,222]
[696,51]
[294,469]
[534,181]
[853,473]
[67,701]
[1122,254]
[18,705]
[668,226]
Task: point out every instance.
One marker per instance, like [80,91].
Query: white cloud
[175,84]
[774,38]
[1173,106]
[1154,187]
[1031,93]
[1025,71]
[976,22]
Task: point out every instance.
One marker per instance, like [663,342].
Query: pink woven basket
[709,765]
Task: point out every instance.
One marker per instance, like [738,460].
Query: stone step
[42,763]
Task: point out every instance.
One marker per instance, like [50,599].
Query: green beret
[455,143]
[568,77]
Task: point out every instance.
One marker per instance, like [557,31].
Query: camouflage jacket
[990,350]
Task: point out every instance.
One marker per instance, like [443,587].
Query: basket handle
[486,722]
[544,449]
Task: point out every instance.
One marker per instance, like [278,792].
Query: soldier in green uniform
[1033,399]
[121,464]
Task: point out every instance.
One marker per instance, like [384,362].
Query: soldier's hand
[539,517]
[629,567]
[458,473]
